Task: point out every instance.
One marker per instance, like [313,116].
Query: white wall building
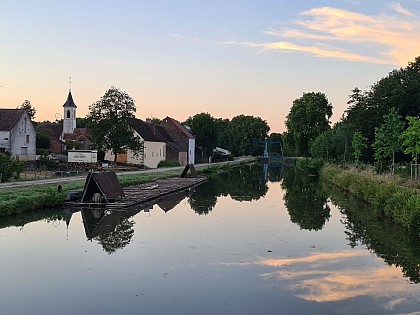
[154,149]
[17,134]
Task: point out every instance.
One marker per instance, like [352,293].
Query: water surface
[253,240]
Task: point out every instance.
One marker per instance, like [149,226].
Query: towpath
[61,180]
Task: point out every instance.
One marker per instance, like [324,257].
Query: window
[27,138]
[24,150]
[6,139]
[68,113]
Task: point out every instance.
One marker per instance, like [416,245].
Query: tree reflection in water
[386,239]
[242,183]
[113,230]
[305,200]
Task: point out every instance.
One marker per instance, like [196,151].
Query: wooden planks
[135,195]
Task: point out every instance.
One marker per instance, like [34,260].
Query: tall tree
[110,123]
[387,138]
[308,118]
[411,138]
[31,110]
[358,144]
[244,132]
[203,127]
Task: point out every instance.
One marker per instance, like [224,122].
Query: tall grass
[384,193]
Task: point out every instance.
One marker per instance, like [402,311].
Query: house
[154,147]
[17,134]
[182,138]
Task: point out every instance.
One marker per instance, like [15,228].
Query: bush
[168,164]
[310,166]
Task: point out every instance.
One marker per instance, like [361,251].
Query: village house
[169,141]
[154,148]
[182,138]
[17,134]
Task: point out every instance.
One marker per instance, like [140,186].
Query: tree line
[380,124]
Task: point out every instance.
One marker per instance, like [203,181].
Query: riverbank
[29,197]
[385,195]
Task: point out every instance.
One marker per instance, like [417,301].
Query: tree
[411,138]
[308,118]
[387,138]
[110,123]
[358,144]
[244,132]
[10,167]
[203,127]
[31,110]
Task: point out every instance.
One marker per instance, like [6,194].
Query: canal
[253,240]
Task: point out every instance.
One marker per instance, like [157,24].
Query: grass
[388,194]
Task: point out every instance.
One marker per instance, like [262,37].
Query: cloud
[328,32]
[396,6]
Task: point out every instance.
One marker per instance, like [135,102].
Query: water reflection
[305,199]
[389,241]
[332,277]
[242,183]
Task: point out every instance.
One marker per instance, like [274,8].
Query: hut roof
[105,183]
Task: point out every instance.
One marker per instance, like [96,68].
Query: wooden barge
[104,191]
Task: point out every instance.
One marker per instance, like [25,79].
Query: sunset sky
[180,58]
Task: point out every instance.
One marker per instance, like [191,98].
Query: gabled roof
[145,130]
[69,102]
[9,118]
[178,125]
[106,184]
[79,133]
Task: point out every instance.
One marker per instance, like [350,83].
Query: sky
[181,58]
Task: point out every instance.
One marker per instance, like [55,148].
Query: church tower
[69,117]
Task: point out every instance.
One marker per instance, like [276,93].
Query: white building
[17,134]
[154,149]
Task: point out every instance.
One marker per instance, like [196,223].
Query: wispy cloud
[386,38]
[396,6]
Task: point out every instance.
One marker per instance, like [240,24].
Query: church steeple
[69,118]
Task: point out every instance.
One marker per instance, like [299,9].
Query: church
[64,135]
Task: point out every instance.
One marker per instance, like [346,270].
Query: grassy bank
[19,200]
[384,194]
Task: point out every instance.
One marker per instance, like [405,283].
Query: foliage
[310,166]
[411,138]
[203,127]
[244,132]
[30,109]
[333,145]
[10,167]
[43,136]
[402,204]
[400,89]
[110,123]
[168,163]
[275,144]
[387,138]
[358,144]
[307,119]
[320,147]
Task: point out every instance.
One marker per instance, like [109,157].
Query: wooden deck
[139,194]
